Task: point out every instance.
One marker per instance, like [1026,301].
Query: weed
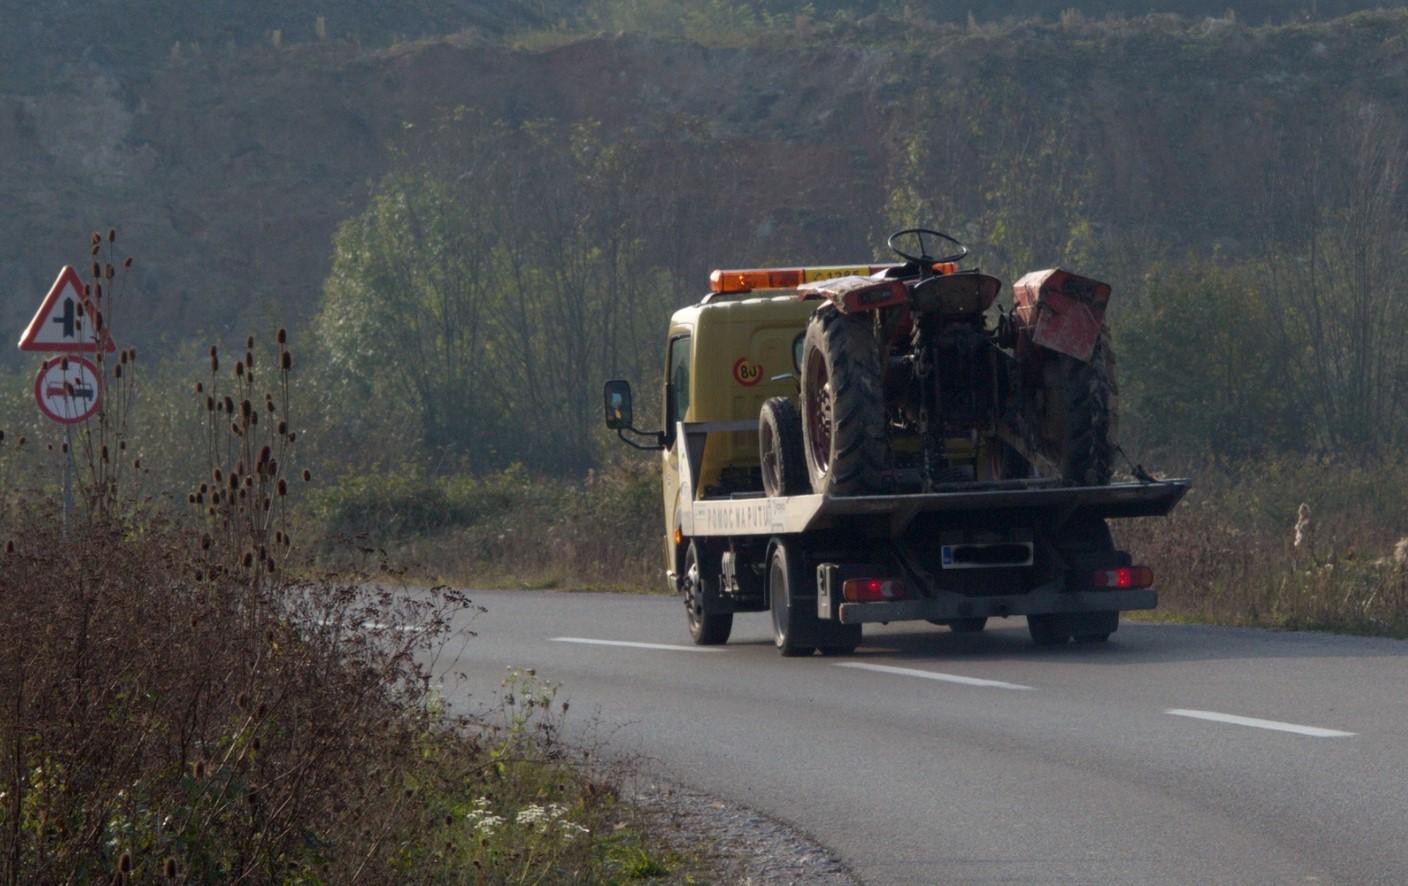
[1295,544]
[184,697]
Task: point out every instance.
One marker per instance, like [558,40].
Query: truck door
[678,366]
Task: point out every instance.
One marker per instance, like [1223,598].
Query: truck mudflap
[1046,600]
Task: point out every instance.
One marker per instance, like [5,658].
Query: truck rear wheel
[793,623]
[707,625]
[1049,630]
[1094,627]
[843,405]
[780,448]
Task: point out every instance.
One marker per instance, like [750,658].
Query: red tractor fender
[1060,311]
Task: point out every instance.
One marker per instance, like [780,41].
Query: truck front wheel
[707,625]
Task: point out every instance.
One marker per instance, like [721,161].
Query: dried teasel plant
[105,484]
[249,460]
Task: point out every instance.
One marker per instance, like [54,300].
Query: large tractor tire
[1082,402]
[784,465]
[843,405]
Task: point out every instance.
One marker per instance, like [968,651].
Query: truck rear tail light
[1124,578]
[871,590]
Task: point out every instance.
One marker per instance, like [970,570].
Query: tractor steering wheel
[924,259]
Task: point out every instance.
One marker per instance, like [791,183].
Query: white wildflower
[552,817]
[571,830]
[482,818]
[531,814]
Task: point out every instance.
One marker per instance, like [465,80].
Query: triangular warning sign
[65,320]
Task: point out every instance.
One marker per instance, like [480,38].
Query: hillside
[229,170]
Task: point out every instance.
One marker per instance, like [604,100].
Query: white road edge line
[932,675]
[666,646]
[1275,725]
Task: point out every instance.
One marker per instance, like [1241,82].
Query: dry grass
[184,699]
[1296,544]
[171,712]
[1227,555]
[161,728]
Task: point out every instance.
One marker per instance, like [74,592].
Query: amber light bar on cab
[785,278]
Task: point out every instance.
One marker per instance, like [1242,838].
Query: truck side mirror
[617,395]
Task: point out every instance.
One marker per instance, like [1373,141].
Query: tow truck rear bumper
[1042,601]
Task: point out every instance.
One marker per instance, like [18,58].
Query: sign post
[68,476]
[69,388]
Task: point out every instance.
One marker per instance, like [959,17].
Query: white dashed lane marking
[631,645]
[1275,725]
[931,675]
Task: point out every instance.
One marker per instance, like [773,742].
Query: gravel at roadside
[734,844]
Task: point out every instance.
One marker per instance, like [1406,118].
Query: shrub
[182,697]
[1294,543]
[603,530]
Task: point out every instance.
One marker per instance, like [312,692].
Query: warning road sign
[65,320]
[68,395]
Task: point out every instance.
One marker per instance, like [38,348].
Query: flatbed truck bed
[962,552]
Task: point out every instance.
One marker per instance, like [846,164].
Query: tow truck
[987,486]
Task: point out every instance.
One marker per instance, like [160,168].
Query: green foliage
[600,531]
[405,502]
[522,811]
[1202,372]
[403,309]
[488,306]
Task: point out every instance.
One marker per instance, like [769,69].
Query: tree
[494,285]
[403,314]
[1334,246]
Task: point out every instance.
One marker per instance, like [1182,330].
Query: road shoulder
[728,843]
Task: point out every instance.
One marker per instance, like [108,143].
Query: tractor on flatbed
[874,443]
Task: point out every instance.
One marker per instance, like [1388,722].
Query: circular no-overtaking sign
[68,389]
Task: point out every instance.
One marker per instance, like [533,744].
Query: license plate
[987,556]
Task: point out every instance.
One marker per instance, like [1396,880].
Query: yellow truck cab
[723,359]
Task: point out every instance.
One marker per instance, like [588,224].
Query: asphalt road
[1172,754]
